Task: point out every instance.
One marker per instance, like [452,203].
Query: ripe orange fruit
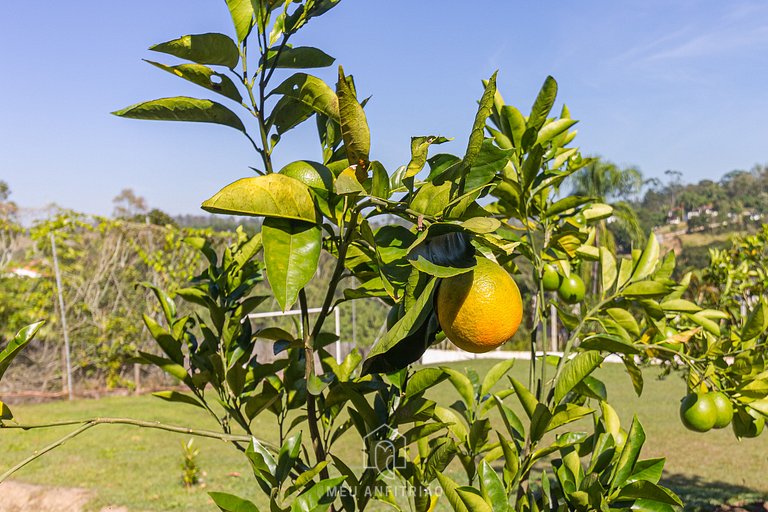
[480,309]
[698,412]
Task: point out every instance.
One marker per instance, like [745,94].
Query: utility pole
[63,317]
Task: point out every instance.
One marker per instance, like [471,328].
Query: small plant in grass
[494,206]
[191,474]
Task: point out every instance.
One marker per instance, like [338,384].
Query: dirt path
[20,497]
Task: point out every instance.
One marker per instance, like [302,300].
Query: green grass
[140,468]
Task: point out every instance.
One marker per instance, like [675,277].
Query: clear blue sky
[662,85]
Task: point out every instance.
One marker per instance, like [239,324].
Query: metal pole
[63,316]
[553,328]
[337,325]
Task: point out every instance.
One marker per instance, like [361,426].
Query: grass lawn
[140,468]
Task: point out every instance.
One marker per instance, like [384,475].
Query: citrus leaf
[476,136]
[625,319]
[514,124]
[22,338]
[574,371]
[643,489]
[231,503]
[680,305]
[424,379]
[473,500]
[183,108]
[609,343]
[648,259]
[212,48]
[291,254]
[300,57]
[204,77]
[175,396]
[551,130]
[543,104]
[241,12]
[354,126]
[492,487]
[607,269]
[629,454]
[312,92]
[450,489]
[645,289]
[565,204]
[407,340]
[272,195]
[757,322]
[493,376]
[5,412]
[419,151]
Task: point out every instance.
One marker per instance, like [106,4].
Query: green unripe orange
[571,289]
[550,280]
[698,412]
[313,174]
[724,409]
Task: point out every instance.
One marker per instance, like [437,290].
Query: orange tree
[498,201]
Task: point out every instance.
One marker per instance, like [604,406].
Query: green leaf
[318,497]
[642,489]
[511,421]
[514,124]
[629,455]
[543,104]
[432,199]
[597,211]
[757,321]
[476,136]
[301,57]
[291,253]
[492,487]
[306,477]
[575,370]
[607,269]
[231,503]
[532,165]
[497,371]
[286,459]
[566,203]
[169,367]
[488,161]
[241,12]
[216,49]
[526,398]
[635,374]
[354,126]
[15,346]
[625,319]
[649,470]
[608,343]
[5,412]
[462,384]
[419,151]
[175,396]
[407,339]
[424,379]
[681,305]
[450,489]
[645,289]
[567,413]
[183,108]
[272,195]
[551,130]
[380,185]
[311,92]
[204,77]
[170,345]
[473,500]
[648,259]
